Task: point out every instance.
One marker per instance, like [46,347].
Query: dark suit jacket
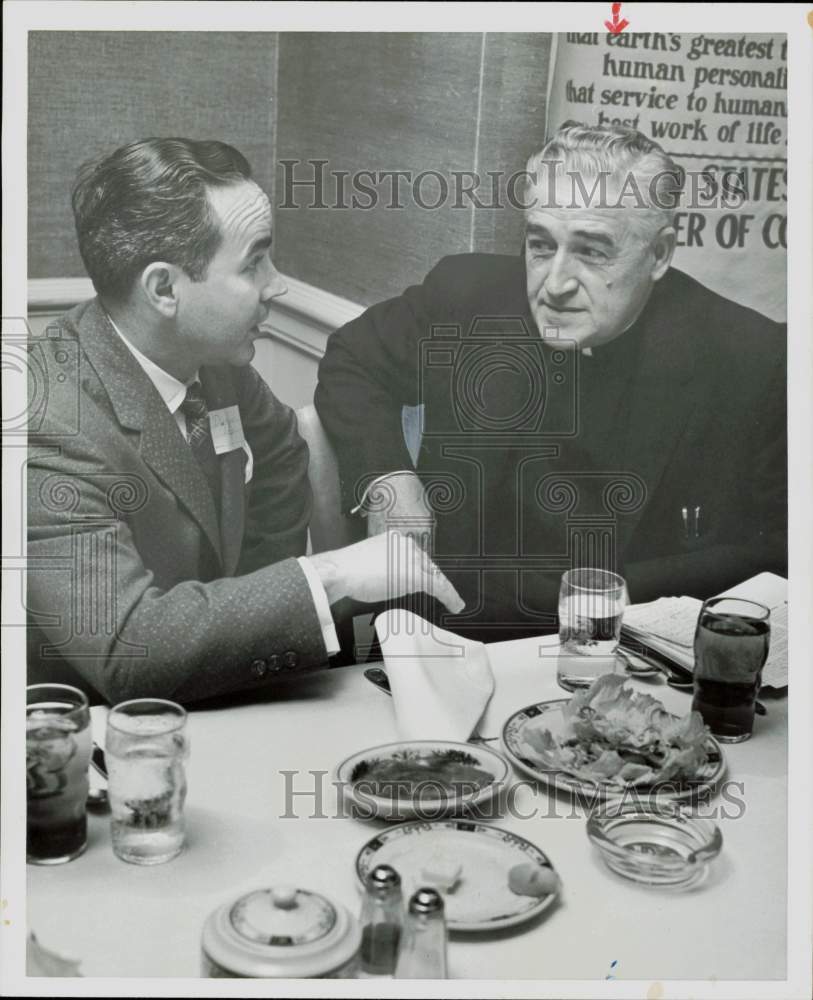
[134,587]
[537,459]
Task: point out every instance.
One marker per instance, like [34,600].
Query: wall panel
[374,102]
[512,127]
[91,91]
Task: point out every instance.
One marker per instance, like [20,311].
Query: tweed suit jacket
[135,586]
[538,459]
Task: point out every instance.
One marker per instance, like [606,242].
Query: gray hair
[616,151]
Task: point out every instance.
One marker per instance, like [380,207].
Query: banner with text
[718,105]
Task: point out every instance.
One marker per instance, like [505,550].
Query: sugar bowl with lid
[280,933]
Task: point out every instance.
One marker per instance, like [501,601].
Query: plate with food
[425,779]
[609,739]
[489,878]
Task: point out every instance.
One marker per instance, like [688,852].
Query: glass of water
[591,607]
[146,747]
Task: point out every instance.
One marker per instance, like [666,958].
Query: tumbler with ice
[146,749]
[57,743]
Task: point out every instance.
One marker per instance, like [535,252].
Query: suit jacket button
[290,659]
[260,668]
[273,663]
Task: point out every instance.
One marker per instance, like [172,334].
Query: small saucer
[482,900]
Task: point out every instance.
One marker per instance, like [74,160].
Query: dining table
[262,810]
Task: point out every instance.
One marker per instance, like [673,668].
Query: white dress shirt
[173,393]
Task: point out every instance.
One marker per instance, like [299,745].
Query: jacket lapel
[139,407]
[219,391]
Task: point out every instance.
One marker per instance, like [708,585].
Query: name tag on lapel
[227,429]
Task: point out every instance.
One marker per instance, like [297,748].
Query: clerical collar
[620,350]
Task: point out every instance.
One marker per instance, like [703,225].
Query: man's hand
[397,502]
[383,568]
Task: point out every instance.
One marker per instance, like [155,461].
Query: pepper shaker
[423,944]
[381,922]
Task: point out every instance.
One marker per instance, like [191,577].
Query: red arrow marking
[618,26]
[615,26]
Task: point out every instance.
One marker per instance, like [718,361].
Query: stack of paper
[668,625]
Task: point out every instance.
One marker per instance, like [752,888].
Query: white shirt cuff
[322,606]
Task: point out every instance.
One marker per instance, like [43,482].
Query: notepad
[668,624]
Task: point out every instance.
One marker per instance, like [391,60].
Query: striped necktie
[200,438]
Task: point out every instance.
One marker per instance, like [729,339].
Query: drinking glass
[591,607]
[730,648]
[146,747]
[57,751]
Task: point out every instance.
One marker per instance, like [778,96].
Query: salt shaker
[423,944]
[381,922]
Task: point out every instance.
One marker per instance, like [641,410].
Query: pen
[684,513]
[97,800]
[697,522]
[98,761]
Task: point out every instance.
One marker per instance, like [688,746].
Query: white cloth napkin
[440,682]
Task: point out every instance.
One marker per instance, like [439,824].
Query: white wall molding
[46,295]
[321,307]
[302,319]
[305,316]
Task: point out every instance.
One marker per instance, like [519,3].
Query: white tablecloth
[123,920]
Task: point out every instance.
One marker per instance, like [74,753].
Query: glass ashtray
[659,844]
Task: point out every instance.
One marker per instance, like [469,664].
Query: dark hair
[147,201]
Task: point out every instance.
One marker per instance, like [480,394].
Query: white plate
[522,757]
[481,901]
[422,799]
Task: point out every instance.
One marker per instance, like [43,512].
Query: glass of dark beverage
[730,648]
[58,744]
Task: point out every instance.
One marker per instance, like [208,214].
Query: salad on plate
[612,735]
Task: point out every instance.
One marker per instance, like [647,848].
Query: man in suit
[168,499]
[588,405]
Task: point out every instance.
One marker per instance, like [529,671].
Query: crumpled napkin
[41,961]
[440,682]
